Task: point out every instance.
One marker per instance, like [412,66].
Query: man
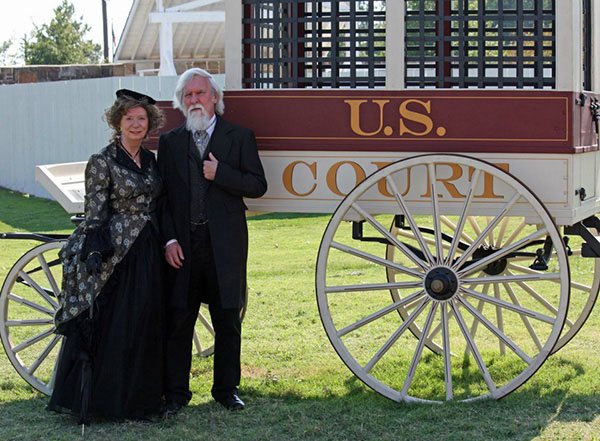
[208,165]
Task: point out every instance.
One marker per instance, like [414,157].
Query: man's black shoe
[172,408]
[231,402]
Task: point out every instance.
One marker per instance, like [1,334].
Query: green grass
[294,384]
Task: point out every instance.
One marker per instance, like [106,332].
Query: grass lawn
[294,384]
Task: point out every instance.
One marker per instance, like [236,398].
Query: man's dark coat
[239,174]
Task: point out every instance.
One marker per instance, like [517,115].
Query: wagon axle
[541,256]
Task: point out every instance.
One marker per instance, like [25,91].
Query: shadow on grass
[308,409]
[522,415]
[357,413]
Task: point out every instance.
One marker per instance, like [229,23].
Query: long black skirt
[124,341]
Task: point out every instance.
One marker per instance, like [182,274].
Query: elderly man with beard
[208,165]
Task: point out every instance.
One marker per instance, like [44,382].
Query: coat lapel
[181,145]
[220,144]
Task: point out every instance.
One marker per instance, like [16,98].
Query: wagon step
[591,246]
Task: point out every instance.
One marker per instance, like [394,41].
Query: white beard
[197,120]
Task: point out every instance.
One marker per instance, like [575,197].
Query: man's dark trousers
[226,323]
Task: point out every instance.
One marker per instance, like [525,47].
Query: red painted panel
[410,120]
[174,118]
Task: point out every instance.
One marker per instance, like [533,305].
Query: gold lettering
[355,116]
[446,182]
[488,182]
[333,171]
[419,118]
[382,184]
[288,177]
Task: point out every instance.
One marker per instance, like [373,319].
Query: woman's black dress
[127,342]
[124,340]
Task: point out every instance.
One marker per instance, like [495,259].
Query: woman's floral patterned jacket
[120,199]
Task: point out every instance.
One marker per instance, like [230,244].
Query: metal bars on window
[313,43]
[480,43]
[587,44]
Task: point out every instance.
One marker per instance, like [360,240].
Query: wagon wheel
[27,305]
[204,334]
[494,324]
[585,277]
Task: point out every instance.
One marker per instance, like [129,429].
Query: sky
[17,17]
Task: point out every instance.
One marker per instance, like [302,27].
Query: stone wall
[41,74]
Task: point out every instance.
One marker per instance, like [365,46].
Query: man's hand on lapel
[210,167]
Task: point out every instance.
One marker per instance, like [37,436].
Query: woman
[111,304]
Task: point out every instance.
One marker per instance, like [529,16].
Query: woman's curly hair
[122,105]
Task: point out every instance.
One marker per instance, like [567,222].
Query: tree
[4,47]
[62,41]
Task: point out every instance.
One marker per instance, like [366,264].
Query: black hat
[126,93]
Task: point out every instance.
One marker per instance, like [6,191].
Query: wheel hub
[441,283]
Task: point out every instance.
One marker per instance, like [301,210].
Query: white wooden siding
[47,123]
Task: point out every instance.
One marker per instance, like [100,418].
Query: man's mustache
[196,106]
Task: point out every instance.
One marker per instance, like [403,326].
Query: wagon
[455,146]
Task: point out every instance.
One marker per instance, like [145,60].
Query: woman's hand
[93,263]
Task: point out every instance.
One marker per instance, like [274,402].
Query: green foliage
[4,47]
[62,41]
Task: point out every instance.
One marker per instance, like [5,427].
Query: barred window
[314,43]
[480,43]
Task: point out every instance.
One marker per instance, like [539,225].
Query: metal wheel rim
[335,334]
